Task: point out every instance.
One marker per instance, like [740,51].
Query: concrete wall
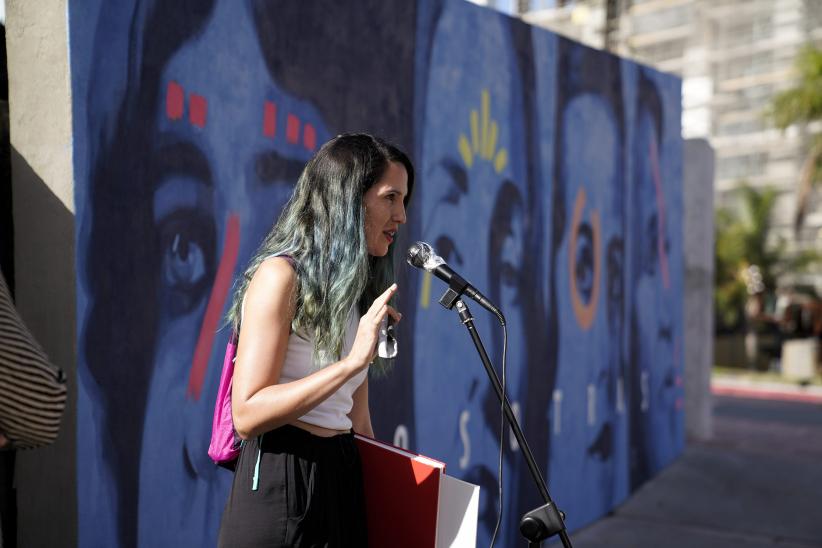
[698,195]
[43,205]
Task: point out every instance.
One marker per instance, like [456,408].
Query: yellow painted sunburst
[481,146]
[483,142]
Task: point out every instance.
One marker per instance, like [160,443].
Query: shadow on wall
[6,218]
[45,297]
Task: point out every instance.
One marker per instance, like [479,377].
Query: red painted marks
[219,292]
[660,226]
[309,137]
[197,110]
[175,101]
[292,129]
[269,119]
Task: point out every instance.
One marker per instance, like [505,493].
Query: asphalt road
[756,484]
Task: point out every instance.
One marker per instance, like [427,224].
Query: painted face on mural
[589,298]
[659,345]
[229,149]
[472,205]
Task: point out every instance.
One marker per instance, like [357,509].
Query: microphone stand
[545,521]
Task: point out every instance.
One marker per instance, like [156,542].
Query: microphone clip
[456,287]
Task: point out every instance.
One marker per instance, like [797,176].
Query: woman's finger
[380,314]
[383,299]
[396,315]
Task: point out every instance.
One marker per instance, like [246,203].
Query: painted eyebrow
[181,158]
[273,168]
[459,181]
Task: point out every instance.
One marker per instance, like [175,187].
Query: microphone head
[422,255]
[418,254]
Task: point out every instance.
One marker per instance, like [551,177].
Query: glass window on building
[742,166]
[748,65]
[662,51]
[662,19]
[746,32]
[740,127]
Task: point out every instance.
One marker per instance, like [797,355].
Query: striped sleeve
[32,390]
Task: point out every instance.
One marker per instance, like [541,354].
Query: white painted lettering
[465,459]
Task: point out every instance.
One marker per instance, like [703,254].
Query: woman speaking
[308,310]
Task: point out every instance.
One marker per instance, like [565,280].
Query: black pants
[308,492]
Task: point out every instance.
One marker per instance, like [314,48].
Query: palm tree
[740,243]
[802,105]
[746,264]
[747,269]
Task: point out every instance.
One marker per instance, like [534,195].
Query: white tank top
[333,412]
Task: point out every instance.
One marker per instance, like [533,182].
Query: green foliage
[741,241]
[802,104]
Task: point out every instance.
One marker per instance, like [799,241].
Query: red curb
[764,394]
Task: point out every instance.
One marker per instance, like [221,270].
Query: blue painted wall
[549,175]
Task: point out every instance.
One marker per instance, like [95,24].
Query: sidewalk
[756,484]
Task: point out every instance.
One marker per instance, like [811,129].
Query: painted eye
[615,280]
[186,259]
[584,270]
[184,263]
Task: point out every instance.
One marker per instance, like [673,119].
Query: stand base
[541,523]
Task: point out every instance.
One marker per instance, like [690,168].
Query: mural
[549,175]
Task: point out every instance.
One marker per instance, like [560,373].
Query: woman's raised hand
[365,345]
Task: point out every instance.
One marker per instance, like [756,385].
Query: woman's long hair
[322,227]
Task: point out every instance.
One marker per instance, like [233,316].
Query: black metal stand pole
[545,521]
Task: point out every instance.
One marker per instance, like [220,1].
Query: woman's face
[229,147]
[385,209]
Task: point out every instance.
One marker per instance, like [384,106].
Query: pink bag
[225,443]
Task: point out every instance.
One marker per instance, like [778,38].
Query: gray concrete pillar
[698,237]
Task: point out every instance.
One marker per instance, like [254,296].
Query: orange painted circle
[584,313]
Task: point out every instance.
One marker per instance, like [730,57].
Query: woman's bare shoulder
[273,283]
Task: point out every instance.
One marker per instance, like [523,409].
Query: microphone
[422,255]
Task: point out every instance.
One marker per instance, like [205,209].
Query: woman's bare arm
[259,404]
[360,414]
